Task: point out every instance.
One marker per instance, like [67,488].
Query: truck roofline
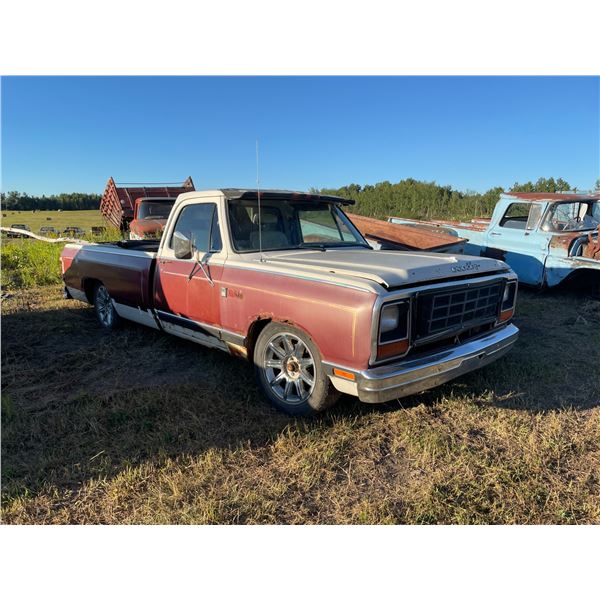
[550,196]
[268,194]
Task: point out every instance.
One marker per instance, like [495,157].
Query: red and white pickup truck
[288,282]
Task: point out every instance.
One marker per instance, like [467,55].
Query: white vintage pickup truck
[287,281]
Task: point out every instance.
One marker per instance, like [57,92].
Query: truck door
[185,290]
[515,238]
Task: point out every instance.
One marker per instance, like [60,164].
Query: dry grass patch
[144,428]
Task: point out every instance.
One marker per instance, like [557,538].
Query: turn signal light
[506,314]
[344,374]
[392,349]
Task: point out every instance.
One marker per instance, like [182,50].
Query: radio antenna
[259,211]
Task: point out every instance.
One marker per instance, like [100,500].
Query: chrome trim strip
[217,332]
[138,315]
[408,377]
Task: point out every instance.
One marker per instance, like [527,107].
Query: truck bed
[126,268]
[118,201]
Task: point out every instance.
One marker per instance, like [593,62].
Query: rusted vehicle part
[75,232]
[404,237]
[291,284]
[16,230]
[118,201]
[48,230]
[592,248]
[546,238]
[150,217]
[42,238]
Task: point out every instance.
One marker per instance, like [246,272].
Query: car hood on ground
[390,269]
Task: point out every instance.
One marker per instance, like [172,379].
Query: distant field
[66,218]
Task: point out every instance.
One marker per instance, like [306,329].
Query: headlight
[510,291]
[390,317]
[509,297]
[393,322]
[393,330]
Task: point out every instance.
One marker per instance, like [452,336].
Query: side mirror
[182,246]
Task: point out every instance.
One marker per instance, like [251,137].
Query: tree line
[427,200]
[76,201]
[407,198]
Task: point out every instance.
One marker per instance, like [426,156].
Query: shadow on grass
[81,403]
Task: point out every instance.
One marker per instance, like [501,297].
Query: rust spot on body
[592,248]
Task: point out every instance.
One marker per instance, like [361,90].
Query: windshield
[290,224]
[572,216]
[155,210]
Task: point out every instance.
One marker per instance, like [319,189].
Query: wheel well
[582,279]
[88,288]
[255,328]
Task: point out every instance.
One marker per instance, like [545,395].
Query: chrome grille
[457,309]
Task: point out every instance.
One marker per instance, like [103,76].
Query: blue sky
[67,134]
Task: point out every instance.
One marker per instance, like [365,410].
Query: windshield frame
[304,245]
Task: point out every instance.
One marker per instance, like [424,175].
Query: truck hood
[390,269]
[141,226]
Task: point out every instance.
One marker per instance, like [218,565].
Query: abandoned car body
[383,235]
[286,280]
[546,238]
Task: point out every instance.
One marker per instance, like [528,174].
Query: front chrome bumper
[399,379]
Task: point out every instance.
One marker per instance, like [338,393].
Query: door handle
[494,233]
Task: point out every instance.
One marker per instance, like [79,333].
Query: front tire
[105,309]
[289,371]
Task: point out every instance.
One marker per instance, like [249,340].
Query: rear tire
[105,309]
[288,368]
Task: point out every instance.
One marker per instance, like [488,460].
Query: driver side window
[199,222]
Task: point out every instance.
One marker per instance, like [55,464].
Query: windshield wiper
[313,246]
[323,246]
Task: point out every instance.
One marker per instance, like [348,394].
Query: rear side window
[200,223]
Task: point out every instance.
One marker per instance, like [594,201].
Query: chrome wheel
[104,307]
[289,368]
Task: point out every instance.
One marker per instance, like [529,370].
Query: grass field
[66,218]
[140,427]
[26,262]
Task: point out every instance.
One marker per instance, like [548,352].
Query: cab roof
[252,194]
[550,197]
